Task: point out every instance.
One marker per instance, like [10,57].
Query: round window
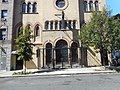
[61,4]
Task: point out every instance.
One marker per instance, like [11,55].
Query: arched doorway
[74,52]
[61,52]
[48,53]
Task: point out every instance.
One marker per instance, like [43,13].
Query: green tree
[24,45]
[115,34]
[102,32]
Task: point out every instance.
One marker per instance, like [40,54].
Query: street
[63,82]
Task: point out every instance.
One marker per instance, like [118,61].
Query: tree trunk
[24,69]
[104,57]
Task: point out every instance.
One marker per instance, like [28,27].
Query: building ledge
[37,43]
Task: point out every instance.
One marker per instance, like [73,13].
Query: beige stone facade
[55,25]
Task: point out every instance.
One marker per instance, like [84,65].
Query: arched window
[91,5]
[85,6]
[60,24]
[56,25]
[96,6]
[74,24]
[18,31]
[51,25]
[74,52]
[34,7]
[29,7]
[28,26]
[49,53]
[65,26]
[70,24]
[24,7]
[37,31]
[60,3]
[46,25]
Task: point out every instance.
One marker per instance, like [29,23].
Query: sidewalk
[52,72]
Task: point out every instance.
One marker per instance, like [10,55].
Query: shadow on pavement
[48,70]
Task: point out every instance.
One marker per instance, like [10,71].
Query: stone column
[88,7]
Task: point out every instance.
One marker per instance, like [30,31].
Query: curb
[32,75]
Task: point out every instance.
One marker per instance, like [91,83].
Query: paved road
[75,82]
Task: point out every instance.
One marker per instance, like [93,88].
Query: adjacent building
[6,27]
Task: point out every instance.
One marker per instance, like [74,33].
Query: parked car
[116,59]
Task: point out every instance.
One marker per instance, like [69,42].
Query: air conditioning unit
[4,0]
[3,19]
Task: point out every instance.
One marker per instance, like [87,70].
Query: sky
[114,6]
